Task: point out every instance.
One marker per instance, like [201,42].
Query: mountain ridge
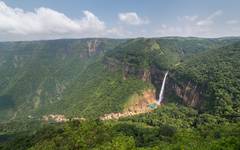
[44,76]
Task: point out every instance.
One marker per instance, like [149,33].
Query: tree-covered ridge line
[217,72]
[88,88]
[41,77]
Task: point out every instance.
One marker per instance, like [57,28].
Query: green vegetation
[169,127]
[143,53]
[66,77]
[217,73]
[48,77]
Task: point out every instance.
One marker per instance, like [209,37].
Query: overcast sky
[53,19]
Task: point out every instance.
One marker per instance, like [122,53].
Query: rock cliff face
[137,104]
[127,69]
[92,47]
[187,92]
[140,102]
[141,73]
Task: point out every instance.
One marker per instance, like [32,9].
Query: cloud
[44,22]
[232,22]
[185,30]
[132,18]
[191,26]
[118,32]
[210,19]
[189,18]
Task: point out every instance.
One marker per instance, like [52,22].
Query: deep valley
[99,93]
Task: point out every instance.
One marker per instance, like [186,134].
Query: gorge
[108,88]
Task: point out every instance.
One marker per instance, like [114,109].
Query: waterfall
[162,89]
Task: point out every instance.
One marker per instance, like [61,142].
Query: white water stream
[162,89]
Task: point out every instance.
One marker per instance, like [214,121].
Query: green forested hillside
[170,127]
[69,76]
[78,79]
[164,52]
[192,45]
[48,77]
[217,73]
[143,53]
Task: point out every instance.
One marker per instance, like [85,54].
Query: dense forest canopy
[217,72]
[88,78]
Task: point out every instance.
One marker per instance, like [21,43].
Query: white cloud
[185,30]
[232,22]
[210,19]
[132,18]
[118,32]
[189,18]
[45,22]
[192,26]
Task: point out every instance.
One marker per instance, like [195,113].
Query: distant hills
[91,77]
[86,79]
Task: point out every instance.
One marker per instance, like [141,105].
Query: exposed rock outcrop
[189,93]
[92,47]
[141,73]
[59,118]
[137,104]
[55,118]
[146,75]
[127,69]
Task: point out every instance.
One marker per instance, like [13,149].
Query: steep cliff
[127,69]
[176,91]
[93,47]
[138,103]
[188,93]
[148,60]
[183,92]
